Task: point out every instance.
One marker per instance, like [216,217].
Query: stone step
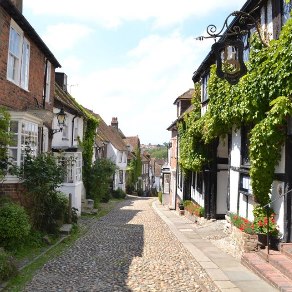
[66,229]
[286,249]
[267,271]
[279,260]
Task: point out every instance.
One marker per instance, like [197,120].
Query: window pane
[25,64]
[14,42]
[14,126]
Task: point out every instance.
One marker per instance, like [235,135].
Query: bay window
[25,133]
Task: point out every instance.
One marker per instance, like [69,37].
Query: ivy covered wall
[262,99]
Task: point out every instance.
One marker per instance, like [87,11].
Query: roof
[28,29]
[109,134]
[67,100]
[185,96]
[174,124]
[133,141]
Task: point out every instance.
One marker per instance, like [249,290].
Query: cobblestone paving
[130,249]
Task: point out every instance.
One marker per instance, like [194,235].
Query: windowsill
[245,193]
[17,84]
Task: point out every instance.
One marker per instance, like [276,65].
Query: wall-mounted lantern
[229,50]
[61,117]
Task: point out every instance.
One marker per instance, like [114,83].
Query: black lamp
[61,117]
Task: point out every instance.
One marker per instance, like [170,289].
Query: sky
[129,59]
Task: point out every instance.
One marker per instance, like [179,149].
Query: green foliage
[4,141]
[160,197]
[87,154]
[192,150]
[242,223]
[266,140]
[262,98]
[41,176]
[159,152]
[134,171]
[265,220]
[14,225]
[7,266]
[100,179]
[193,208]
[118,194]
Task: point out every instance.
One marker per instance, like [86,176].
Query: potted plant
[181,205]
[265,222]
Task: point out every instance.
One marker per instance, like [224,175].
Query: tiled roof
[187,95]
[109,134]
[67,100]
[133,141]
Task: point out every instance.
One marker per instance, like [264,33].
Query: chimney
[61,80]
[17,4]
[115,123]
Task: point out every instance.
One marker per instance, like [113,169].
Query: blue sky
[129,59]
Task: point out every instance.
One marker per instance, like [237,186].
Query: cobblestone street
[130,249]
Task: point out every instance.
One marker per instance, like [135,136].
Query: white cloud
[141,94]
[112,13]
[60,37]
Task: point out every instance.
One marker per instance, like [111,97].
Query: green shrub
[193,208]
[118,194]
[160,197]
[101,177]
[14,225]
[41,176]
[7,266]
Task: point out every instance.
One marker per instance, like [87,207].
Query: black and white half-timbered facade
[224,185]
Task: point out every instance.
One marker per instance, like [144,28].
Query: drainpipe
[72,141]
[44,103]
[176,179]
[45,84]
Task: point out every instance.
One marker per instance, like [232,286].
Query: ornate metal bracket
[245,20]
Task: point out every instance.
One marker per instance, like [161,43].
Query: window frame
[48,82]
[121,177]
[204,88]
[245,143]
[18,64]
[23,118]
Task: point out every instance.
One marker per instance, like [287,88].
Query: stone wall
[245,242]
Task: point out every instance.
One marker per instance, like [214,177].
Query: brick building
[27,75]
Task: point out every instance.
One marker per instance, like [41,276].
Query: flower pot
[274,243]
[181,206]
[262,240]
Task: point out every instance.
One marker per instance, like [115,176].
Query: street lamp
[61,117]
[229,50]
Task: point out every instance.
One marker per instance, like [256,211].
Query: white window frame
[27,130]
[48,82]
[18,58]
[205,80]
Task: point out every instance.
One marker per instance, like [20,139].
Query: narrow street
[130,249]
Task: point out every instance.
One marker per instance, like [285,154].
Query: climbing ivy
[87,145]
[262,99]
[192,155]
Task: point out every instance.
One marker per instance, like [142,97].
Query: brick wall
[12,190]
[11,95]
